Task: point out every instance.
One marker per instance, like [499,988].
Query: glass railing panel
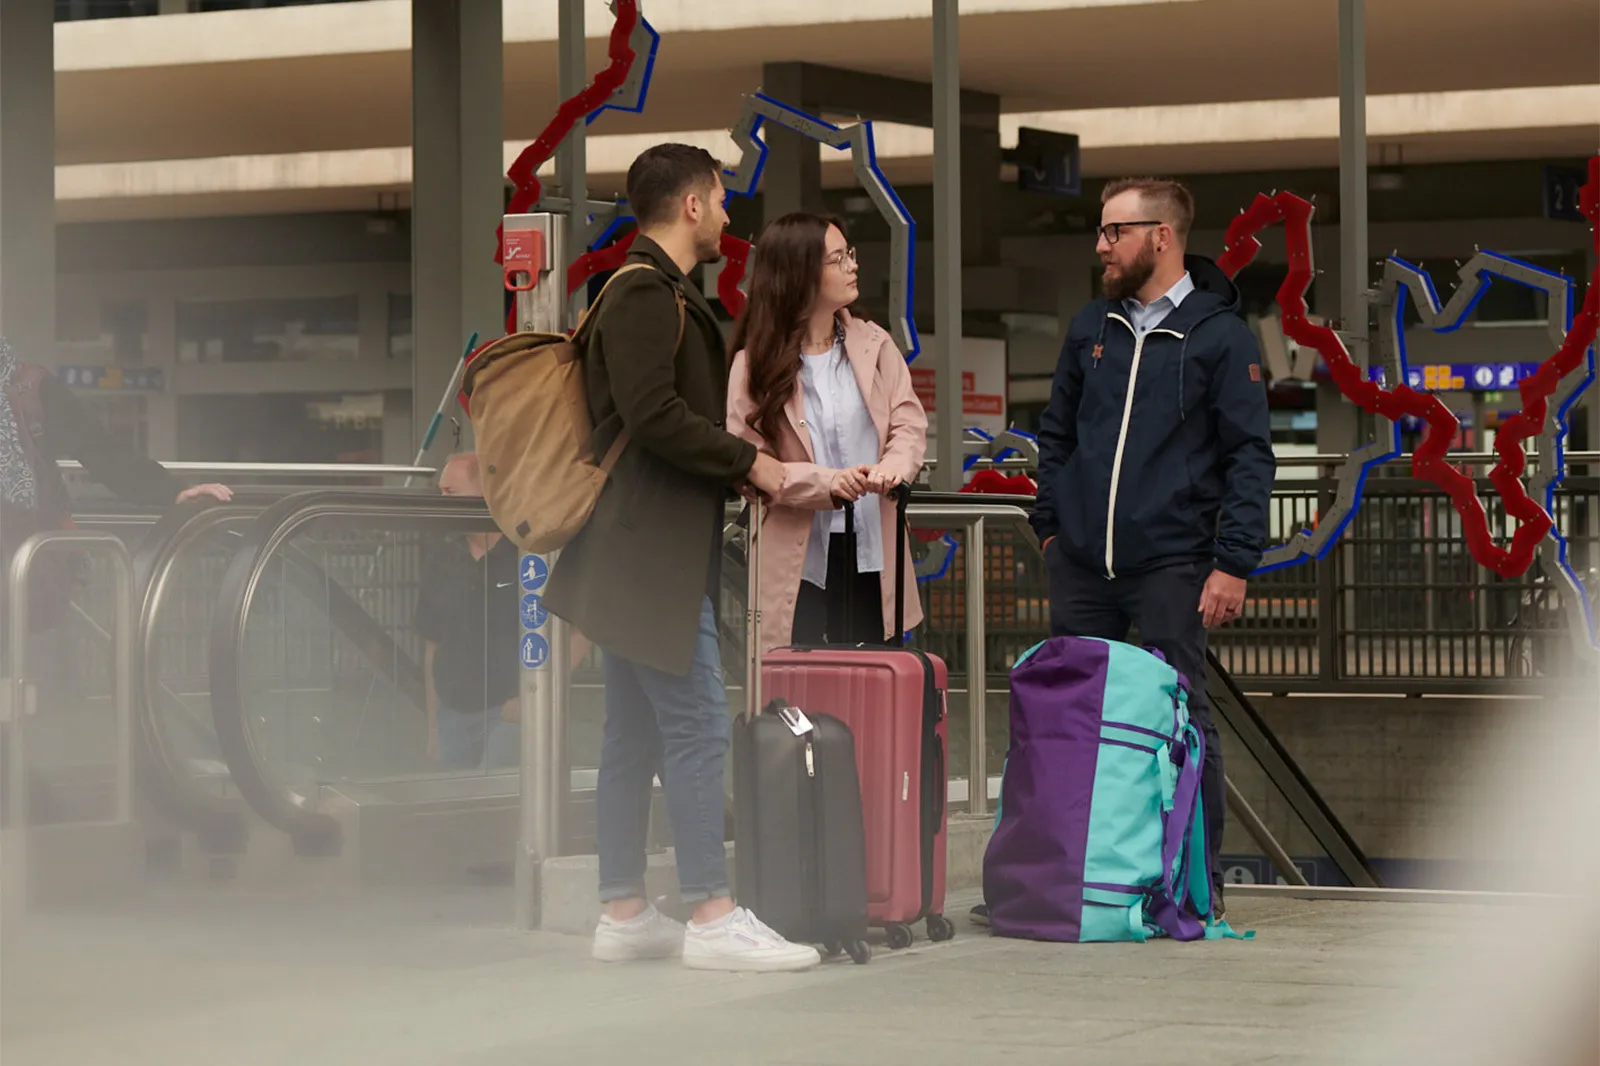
[1015,618]
[319,709]
[334,671]
[71,747]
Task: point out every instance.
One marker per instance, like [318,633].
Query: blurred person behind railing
[466,614]
[41,421]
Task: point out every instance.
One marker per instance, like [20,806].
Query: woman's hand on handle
[882,480]
[850,484]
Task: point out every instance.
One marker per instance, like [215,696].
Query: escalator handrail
[280,804]
[162,777]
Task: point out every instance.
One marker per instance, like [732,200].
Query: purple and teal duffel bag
[1100,833]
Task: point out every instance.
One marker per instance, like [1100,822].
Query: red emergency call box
[522,251]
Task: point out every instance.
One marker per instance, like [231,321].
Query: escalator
[317,688]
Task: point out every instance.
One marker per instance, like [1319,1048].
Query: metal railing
[974,519]
[993,529]
[24,688]
[1398,605]
[22,701]
[317,470]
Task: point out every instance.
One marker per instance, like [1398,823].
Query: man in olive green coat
[640,579]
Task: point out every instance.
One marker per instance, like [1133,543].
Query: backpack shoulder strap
[614,453]
[588,314]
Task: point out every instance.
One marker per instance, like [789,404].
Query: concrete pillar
[398,449]
[28,179]
[1353,164]
[1338,420]
[572,158]
[161,408]
[980,179]
[947,260]
[457,187]
[792,177]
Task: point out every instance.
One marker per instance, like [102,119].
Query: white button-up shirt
[842,435]
[1146,317]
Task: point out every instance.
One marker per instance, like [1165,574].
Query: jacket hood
[1209,278]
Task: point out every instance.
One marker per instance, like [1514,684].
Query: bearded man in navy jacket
[1155,454]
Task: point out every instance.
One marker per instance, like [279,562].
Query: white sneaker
[648,935]
[740,942]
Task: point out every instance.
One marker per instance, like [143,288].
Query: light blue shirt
[842,435]
[1146,317]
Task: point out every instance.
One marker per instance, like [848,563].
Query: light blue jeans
[478,740]
[678,727]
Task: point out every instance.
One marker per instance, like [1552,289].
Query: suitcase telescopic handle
[752,613]
[902,500]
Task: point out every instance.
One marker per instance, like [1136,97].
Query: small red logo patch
[1255,371]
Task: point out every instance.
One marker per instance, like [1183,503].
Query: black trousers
[849,610]
[1165,605]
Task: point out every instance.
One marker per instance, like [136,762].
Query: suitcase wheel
[860,951]
[940,928]
[900,936]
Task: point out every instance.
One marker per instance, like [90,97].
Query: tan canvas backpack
[530,416]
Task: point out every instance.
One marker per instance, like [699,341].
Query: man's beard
[708,246]
[1127,281]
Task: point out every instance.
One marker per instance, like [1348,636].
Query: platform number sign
[534,650]
[1560,188]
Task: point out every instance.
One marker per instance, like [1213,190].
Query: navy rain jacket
[1178,469]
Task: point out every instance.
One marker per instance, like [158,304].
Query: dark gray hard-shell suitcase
[800,854]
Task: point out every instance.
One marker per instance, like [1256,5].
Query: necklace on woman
[823,347]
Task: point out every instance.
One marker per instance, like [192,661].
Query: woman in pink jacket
[830,396]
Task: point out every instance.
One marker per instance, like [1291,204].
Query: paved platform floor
[185,978]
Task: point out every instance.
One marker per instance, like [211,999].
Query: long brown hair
[783,287]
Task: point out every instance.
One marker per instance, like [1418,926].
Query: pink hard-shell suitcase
[893,699]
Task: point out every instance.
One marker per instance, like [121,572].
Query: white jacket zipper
[1122,435]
